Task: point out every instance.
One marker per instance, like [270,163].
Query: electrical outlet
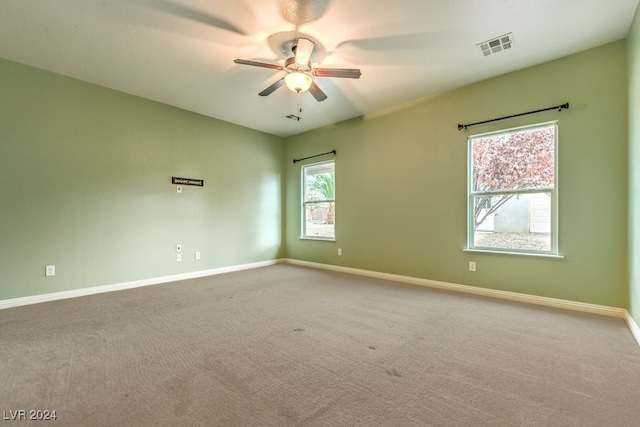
[472,266]
[178,257]
[50,270]
[197,255]
[339,251]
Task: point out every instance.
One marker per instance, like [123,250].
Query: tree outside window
[512,190]
[318,206]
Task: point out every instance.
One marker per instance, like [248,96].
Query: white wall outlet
[472,266]
[179,188]
[339,251]
[50,270]
[178,257]
[178,248]
[197,255]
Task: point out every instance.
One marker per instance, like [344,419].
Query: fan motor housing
[291,65]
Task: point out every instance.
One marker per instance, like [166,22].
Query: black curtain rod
[564,106]
[311,157]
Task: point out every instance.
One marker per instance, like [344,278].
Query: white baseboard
[633,326]
[511,296]
[75,293]
[602,310]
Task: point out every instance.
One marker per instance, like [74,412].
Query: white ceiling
[181,52]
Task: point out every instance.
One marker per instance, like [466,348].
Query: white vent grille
[497,44]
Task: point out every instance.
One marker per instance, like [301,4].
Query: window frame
[553,232]
[304,202]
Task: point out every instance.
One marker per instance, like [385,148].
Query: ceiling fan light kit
[300,72]
[303,51]
[298,81]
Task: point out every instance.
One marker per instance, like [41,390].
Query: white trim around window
[512,191]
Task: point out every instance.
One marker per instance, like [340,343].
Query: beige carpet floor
[289,346]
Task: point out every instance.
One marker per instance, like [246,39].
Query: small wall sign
[187,181]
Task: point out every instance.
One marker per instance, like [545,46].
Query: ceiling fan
[300,71]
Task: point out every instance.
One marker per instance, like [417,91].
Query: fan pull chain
[299,106]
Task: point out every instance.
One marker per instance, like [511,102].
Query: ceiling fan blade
[407,49]
[258,64]
[347,73]
[196,15]
[272,88]
[399,41]
[317,93]
[304,48]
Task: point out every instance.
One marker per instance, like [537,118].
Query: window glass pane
[521,160]
[318,210]
[319,181]
[513,221]
[320,219]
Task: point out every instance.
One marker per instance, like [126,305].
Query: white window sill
[532,254]
[321,239]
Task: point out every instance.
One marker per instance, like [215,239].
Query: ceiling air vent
[497,44]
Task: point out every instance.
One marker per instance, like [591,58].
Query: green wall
[86,185]
[634,166]
[86,173]
[401,183]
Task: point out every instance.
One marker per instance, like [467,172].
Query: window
[512,190]
[319,201]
